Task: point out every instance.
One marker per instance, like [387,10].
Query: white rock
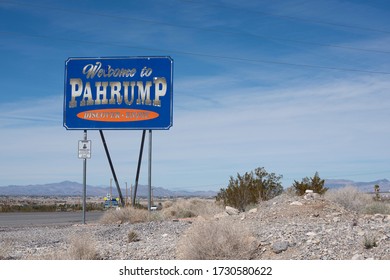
[231,211]
[357,257]
[252,211]
[311,196]
[311,234]
[297,203]
[378,217]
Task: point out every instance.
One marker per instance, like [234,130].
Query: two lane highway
[19,219]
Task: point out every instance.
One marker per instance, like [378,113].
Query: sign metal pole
[112,168]
[150,171]
[84,181]
[141,149]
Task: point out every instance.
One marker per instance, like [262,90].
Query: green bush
[316,184]
[250,188]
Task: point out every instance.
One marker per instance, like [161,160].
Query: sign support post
[84,153]
[84,181]
[112,168]
[141,149]
[150,172]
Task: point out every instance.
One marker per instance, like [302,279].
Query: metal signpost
[84,153]
[118,93]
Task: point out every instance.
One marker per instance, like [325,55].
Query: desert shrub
[250,206]
[377,193]
[167,204]
[250,188]
[5,248]
[316,184]
[132,236]
[216,240]
[141,206]
[370,241]
[128,214]
[82,248]
[31,207]
[349,197]
[187,208]
[290,191]
[353,199]
[28,208]
[376,207]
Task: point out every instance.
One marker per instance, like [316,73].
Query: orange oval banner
[117,115]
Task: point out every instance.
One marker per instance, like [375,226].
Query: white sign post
[84,153]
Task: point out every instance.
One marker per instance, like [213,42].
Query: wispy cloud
[324,126]
[248,90]
[224,130]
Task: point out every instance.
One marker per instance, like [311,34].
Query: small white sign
[85,149]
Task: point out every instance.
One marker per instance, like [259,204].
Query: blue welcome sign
[118,93]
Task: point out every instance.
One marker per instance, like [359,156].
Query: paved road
[46,218]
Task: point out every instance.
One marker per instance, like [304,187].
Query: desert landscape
[343,224]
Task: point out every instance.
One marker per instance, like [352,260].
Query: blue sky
[292,86]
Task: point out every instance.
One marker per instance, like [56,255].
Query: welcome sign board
[118,93]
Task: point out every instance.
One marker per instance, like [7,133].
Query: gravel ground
[155,240]
[284,228]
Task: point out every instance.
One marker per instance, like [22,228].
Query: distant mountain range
[68,188]
[383,184]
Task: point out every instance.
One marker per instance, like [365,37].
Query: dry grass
[370,241]
[353,199]
[187,208]
[82,248]
[5,248]
[216,240]
[349,197]
[180,208]
[132,236]
[377,207]
[128,215]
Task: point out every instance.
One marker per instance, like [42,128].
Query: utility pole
[110,192]
[131,193]
[126,195]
